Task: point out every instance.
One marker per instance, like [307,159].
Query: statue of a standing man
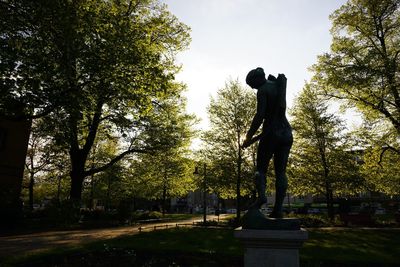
[276,138]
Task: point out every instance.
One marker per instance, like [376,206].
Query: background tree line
[97,79]
[361,73]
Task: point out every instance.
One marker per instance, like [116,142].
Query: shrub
[146,215]
[63,213]
[316,220]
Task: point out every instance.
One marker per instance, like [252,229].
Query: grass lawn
[181,216]
[218,247]
[358,247]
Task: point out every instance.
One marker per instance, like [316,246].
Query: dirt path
[29,243]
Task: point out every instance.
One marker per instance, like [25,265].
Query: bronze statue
[276,138]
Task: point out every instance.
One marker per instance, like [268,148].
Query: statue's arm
[259,117]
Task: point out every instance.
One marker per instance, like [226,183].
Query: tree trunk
[91,201]
[164,198]
[108,204]
[59,188]
[78,160]
[329,202]
[31,184]
[205,193]
[329,198]
[238,179]
[328,187]
[76,185]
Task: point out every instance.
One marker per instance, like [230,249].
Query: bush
[124,211]
[386,219]
[98,215]
[154,215]
[146,215]
[316,220]
[63,213]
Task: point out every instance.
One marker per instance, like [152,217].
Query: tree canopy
[230,115]
[322,162]
[362,68]
[89,66]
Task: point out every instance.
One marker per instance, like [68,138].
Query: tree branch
[386,148]
[113,161]
[94,126]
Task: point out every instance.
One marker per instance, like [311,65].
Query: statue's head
[255,78]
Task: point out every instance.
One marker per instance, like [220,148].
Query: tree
[167,172]
[362,68]
[90,65]
[230,115]
[382,171]
[45,162]
[163,174]
[38,158]
[321,163]
[104,185]
[51,182]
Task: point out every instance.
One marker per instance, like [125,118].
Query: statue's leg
[260,183]
[264,155]
[280,193]
[281,183]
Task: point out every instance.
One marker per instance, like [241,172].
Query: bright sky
[231,37]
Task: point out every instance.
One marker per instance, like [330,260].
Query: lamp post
[196,171]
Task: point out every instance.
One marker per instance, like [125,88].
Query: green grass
[197,240]
[181,216]
[353,246]
[218,247]
[187,244]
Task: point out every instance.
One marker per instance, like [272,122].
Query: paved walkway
[28,243]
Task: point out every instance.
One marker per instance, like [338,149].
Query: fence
[174,225]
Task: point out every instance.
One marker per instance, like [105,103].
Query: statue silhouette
[276,138]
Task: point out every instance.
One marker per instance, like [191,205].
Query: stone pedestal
[271,248]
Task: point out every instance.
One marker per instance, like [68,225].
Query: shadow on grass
[352,247]
[218,247]
[172,247]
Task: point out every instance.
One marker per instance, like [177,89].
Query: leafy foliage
[382,170]
[362,69]
[230,115]
[89,66]
[321,163]
[167,172]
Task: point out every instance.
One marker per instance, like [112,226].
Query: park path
[35,242]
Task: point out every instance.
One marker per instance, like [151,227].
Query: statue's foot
[276,214]
[258,203]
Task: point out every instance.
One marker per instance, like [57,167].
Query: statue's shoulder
[265,89]
[270,85]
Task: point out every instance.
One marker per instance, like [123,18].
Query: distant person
[276,138]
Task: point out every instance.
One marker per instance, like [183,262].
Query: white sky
[231,37]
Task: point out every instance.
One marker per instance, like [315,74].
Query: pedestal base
[254,219]
[271,248]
